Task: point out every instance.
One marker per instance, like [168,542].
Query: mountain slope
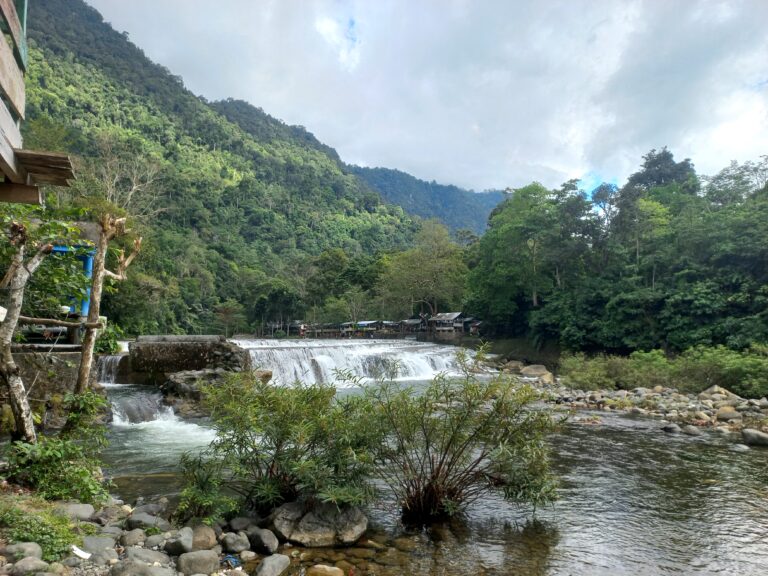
[456,207]
[236,216]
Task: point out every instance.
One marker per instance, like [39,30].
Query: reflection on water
[633,500]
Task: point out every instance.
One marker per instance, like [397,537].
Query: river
[633,500]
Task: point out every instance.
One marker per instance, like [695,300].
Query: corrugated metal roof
[445,316]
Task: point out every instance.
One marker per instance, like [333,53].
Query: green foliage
[660,263]
[35,522]
[202,496]
[276,444]
[430,276]
[66,466]
[233,205]
[743,372]
[456,440]
[108,339]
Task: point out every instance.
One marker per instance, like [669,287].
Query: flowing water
[145,437]
[633,500]
[321,360]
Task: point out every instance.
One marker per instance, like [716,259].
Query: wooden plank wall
[12,66]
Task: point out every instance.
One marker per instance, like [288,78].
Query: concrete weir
[152,359]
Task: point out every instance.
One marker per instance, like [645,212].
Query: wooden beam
[20,193]
[17,32]
[63,323]
[11,79]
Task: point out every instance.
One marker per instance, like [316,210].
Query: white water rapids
[312,361]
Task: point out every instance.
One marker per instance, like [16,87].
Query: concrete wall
[48,377]
[153,358]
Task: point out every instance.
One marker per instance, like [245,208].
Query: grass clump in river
[438,448]
[459,439]
[744,372]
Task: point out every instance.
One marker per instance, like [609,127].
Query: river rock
[77,511]
[235,543]
[137,568]
[727,413]
[155,541]
[323,570]
[203,538]
[248,555]
[671,428]
[242,523]
[133,537]
[147,556]
[157,508]
[96,544]
[199,562]
[23,550]
[29,565]
[180,542]
[273,565]
[262,540]
[753,437]
[144,520]
[512,367]
[323,525]
[538,371]
[691,430]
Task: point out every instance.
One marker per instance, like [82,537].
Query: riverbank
[715,407]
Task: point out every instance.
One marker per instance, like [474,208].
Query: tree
[14,281]
[230,316]
[110,228]
[23,239]
[432,274]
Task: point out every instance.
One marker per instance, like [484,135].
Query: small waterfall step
[312,361]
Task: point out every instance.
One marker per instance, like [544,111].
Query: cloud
[342,38]
[486,93]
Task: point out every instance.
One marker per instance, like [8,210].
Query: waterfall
[312,361]
[106,369]
[145,436]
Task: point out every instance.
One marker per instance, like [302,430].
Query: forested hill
[456,207]
[234,215]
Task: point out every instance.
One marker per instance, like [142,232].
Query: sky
[484,94]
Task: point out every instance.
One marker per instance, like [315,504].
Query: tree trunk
[15,281]
[97,284]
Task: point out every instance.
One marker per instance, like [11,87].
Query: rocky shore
[715,408]
[141,541]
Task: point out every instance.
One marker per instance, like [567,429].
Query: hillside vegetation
[235,206]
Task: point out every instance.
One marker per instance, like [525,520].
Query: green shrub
[743,372]
[453,442]
[108,340]
[65,466]
[51,531]
[202,496]
[277,444]
[582,373]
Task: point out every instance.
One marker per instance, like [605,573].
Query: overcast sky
[481,93]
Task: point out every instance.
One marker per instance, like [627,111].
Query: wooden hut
[23,171]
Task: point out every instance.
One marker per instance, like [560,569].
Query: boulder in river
[322,525]
[273,565]
[538,371]
[754,437]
